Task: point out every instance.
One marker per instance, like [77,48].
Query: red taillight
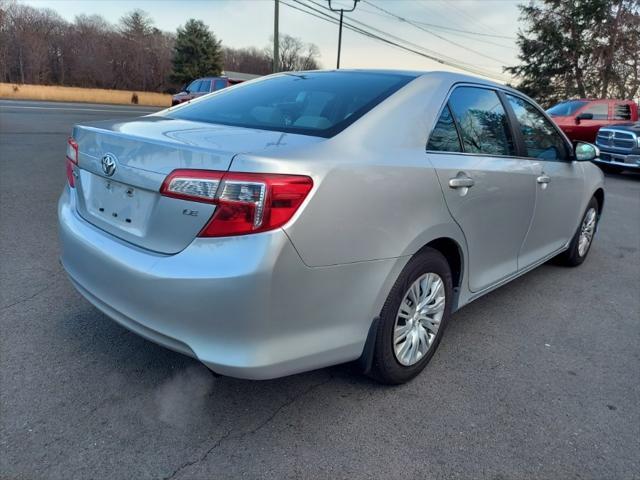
[246,202]
[71,160]
[72,150]
[70,177]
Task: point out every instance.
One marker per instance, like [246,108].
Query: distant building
[237,77]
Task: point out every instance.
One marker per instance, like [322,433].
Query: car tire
[577,252]
[393,362]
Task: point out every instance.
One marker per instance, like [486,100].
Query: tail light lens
[246,202]
[72,150]
[71,160]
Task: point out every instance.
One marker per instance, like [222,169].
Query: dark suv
[619,147]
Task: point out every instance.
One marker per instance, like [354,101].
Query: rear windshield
[315,103]
[566,109]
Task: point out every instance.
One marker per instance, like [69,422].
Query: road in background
[538,379]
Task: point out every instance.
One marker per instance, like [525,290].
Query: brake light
[246,202]
[72,150]
[71,160]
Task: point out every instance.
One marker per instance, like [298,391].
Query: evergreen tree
[197,53]
[579,48]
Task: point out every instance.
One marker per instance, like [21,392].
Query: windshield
[566,109]
[312,103]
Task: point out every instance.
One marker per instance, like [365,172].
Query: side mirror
[585,152]
[584,116]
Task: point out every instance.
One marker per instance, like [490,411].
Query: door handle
[461,182]
[544,178]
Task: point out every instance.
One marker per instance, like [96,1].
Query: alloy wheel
[587,230]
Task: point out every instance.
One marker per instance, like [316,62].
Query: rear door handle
[461,182]
[544,178]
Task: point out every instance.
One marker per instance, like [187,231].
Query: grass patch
[14,91]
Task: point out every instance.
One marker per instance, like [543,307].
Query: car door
[586,129]
[487,189]
[559,182]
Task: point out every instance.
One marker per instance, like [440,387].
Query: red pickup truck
[581,119]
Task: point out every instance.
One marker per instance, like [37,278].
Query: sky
[246,23]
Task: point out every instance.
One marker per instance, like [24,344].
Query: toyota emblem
[109,164]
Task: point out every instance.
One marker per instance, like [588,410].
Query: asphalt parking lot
[539,379]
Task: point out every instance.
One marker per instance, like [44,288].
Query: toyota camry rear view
[308,219]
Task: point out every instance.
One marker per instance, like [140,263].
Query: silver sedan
[313,218]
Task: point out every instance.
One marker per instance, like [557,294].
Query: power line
[362,31]
[481,40]
[469,32]
[410,22]
[390,35]
[450,29]
[424,52]
[461,11]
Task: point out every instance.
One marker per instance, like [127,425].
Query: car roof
[439,75]
[452,77]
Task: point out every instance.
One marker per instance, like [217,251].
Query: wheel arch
[599,196]
[452,252]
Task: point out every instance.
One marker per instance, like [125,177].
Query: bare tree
[296,54]
[247,60]
[38,46]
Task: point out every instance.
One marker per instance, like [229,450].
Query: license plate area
[117,204]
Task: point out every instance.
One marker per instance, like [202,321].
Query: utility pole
[276,38]
[341,10]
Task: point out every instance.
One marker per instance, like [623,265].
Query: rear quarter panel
[375,194]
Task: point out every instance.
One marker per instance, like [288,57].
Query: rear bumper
[245,306]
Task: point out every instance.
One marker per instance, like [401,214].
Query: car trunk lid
[122,166]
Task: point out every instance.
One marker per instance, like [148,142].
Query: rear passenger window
[541,139]
[600,111]
[444,137]
[622,111]
[482,120]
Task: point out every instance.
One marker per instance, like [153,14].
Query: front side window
[600,111]
[444,137]
[541,139]
[220,84]
[205,86]
[622,111]
[482,121]
[312,103]
[194,86]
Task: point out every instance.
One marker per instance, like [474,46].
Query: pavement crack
[289,402]
[31,297]
[202,457]
[262,424]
